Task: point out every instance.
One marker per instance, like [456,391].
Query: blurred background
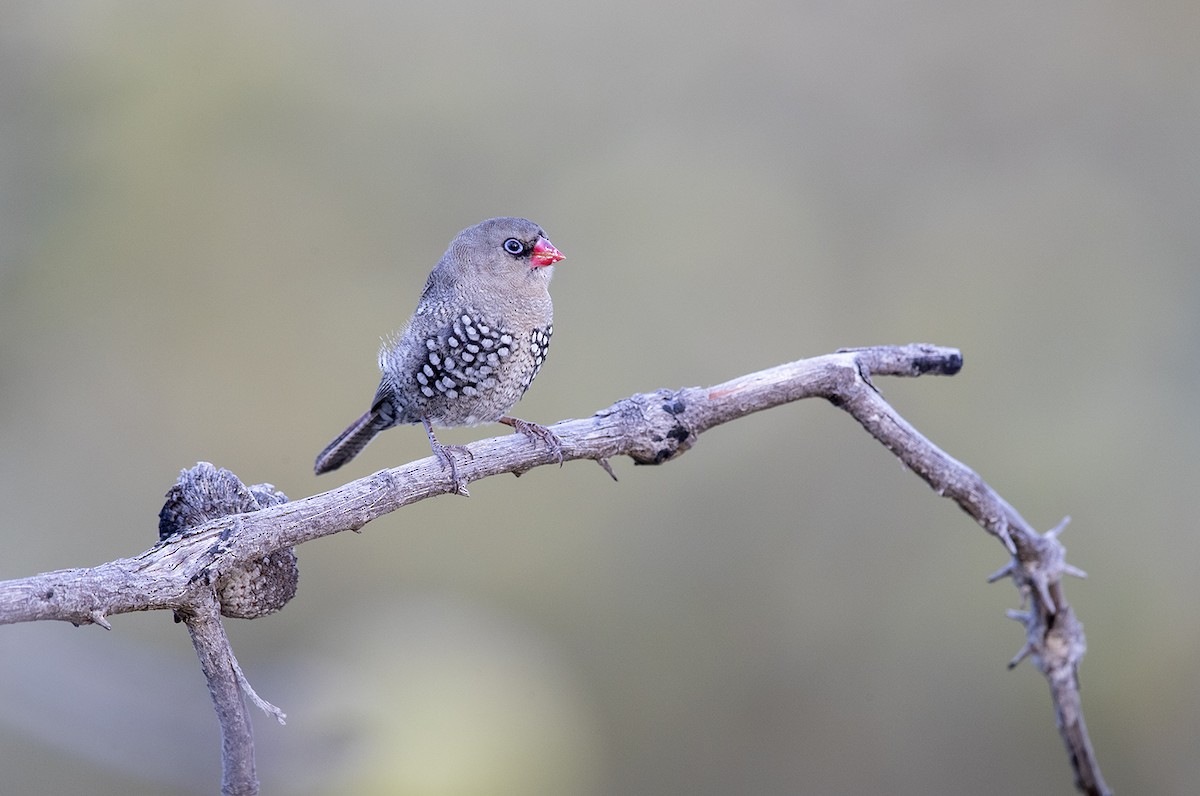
[210,213]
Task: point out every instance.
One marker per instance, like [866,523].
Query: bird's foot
[537,432]
[443,455]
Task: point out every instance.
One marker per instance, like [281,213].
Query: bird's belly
[470,371]
[464,409]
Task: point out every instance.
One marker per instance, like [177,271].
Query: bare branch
[651,428]
[220,670]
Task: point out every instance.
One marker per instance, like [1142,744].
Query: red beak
[545,254]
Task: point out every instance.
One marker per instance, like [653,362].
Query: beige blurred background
[211,212]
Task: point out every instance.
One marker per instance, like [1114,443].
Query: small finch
[478,338]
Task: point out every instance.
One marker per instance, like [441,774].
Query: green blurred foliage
[210,213]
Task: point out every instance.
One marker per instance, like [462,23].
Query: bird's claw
[537,432]
[443,454]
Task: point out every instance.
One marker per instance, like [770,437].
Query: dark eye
[514,247]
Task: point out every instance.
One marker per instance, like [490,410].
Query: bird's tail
[350,442]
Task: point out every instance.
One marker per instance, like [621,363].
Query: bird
[475,343]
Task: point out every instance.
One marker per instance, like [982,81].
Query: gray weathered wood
[651,428]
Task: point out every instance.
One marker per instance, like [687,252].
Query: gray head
[504,250]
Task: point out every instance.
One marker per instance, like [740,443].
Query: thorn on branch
[603,462]
[1025,617]
[1003,572]
[1021,655]
[97,618]
[1042,584]
[1057,529]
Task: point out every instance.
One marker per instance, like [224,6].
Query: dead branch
[183,572]
[219,668]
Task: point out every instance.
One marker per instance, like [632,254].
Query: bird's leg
[442,452]
[537,432]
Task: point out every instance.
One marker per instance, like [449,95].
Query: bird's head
[504,249]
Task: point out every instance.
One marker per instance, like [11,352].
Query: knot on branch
[658,422]
[206,493]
